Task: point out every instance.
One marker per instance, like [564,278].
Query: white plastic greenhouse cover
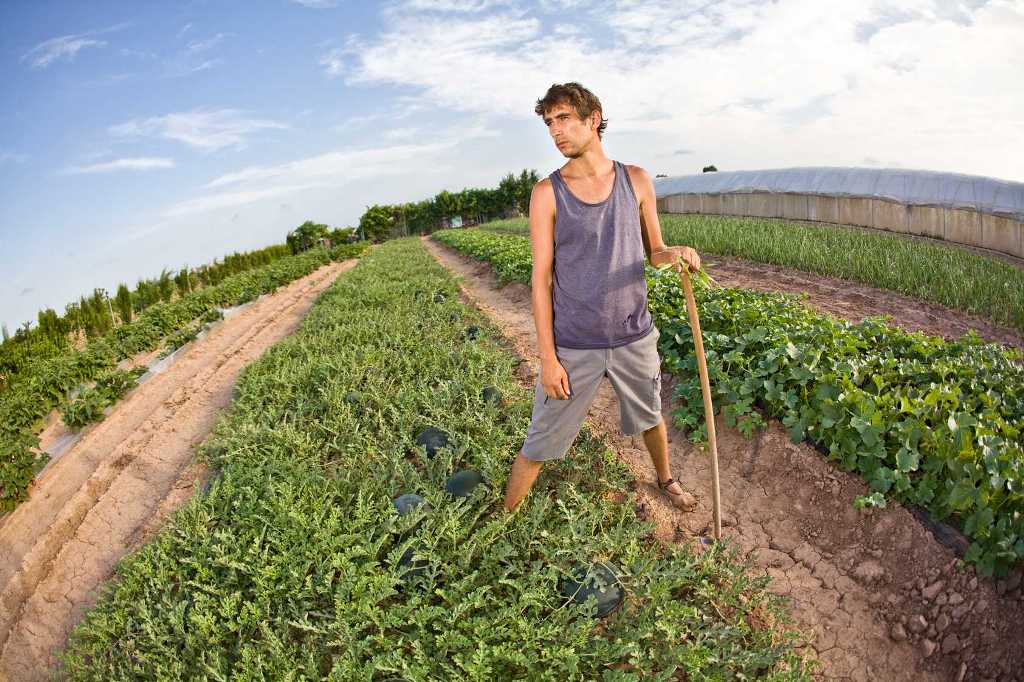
[916,187]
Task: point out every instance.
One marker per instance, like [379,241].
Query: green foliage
[289,567]
[44,383]
[947,275]
[376,223]
[927,421]
[306,236]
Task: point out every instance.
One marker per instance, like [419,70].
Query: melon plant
[598,581]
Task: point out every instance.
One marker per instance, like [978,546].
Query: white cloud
[184,29]
[204,129]
[11,157]
[453,5]
[65,47]
[203,45]
[744,84]
[124,164]
[227,199]
[317,4]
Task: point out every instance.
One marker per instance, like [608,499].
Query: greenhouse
[967,209]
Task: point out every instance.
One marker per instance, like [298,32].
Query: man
[592,222]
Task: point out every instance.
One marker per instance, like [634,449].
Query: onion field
[303,560]
[925,421]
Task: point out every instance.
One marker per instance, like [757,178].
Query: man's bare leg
[524,473]
[656,440]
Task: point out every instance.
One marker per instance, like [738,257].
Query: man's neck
[591,163]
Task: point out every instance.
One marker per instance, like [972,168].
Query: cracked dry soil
[876,594]
[115,487]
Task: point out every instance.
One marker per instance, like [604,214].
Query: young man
[592,222]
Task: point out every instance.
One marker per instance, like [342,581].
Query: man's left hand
[677,256]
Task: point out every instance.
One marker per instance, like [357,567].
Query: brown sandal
[681,500]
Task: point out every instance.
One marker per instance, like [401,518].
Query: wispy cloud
[317,4]
[454,5]
[184,29]
[65,47]
[11,157]
[203,45]
[228,199]
[801,82]
[203,129]
[123,164]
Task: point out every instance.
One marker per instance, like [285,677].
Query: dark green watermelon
[439,298]
[407,502]
[463,482]
[492,395]
[454,317]
[432,440]
[599,580]
[472,330]
[352,397]
[413,568]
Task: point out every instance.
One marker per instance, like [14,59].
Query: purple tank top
[599,294]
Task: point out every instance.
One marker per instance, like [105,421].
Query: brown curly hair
[578,97]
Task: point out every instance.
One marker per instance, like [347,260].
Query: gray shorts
[634,371]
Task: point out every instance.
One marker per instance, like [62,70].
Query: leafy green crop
[927,421]
[290,566]
[45,382]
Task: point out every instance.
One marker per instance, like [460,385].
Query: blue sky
[142,135]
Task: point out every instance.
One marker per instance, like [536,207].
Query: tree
[123,303]
[709,169]
[306,236]
[376,223]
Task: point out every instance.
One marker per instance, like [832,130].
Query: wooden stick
[705,387]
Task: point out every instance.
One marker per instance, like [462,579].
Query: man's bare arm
[654,246]
[553,377]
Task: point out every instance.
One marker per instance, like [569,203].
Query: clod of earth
[600,580]
[432,439]
[463,482]
[492,395]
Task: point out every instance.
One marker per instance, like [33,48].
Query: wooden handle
[705,387]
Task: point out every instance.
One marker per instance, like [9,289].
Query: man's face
[571,135]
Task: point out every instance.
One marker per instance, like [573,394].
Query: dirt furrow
[878,597]
[115,487]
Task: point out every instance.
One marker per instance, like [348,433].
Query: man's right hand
[554,380]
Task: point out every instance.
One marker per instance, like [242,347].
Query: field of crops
[296,563]
[923,420]
[83,383]
[947,275]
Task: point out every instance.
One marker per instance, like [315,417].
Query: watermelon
[432,440]
[600,580]
[472,330]
[463,482]
[352,397]
[492,395]
[414,568]
[407,502]
[438,298]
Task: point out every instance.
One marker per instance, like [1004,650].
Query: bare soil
[115,487]
[875,592]
[854,302]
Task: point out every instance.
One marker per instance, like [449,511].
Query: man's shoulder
[636,173]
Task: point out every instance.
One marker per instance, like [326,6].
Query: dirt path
[878,597]
[114,488]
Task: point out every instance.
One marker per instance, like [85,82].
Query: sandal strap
[665,484]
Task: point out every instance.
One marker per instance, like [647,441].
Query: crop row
[295,564]
[46,383]
[927,421]
[948,275]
